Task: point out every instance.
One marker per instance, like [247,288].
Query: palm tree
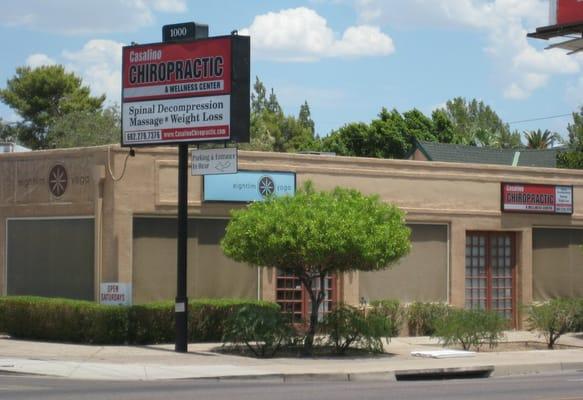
[540,140]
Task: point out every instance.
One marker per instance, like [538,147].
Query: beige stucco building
[68,224]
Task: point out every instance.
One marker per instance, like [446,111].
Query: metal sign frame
[238,93]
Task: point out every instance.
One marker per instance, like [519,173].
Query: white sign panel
[115,293]
[214,161]
[186,119]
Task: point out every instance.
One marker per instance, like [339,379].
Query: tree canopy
[477,124]
[272,130]
[42,95]
[85,128]
[540,140]
[572,157]
[314,233]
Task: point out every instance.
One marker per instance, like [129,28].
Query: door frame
[513,261]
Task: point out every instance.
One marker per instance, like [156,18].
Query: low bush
[471,328]
[554,318]
[422,318]
[151,323]
[63,320]
[76,321]
[348,326]
[393,311]
[261,330]
[207,317]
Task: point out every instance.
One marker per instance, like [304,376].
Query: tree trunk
[316,297]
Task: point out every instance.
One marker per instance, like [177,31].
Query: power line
[539,119]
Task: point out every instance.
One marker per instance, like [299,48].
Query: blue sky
[347,58]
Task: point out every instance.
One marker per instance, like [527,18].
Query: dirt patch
[517,346]
[320,352]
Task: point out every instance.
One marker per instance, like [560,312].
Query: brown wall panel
[51,257]
[420,276]
[557,263]
[210,273]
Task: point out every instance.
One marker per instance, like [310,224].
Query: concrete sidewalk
[161,362]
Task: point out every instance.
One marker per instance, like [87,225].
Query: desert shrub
[393,311]
[261,330]
[347,326]
[554,318]
[422,318]
[207,317]
[471,328]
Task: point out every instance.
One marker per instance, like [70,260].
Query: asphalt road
[565,386]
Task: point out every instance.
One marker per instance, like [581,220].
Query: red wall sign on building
[546,199]
[186,92]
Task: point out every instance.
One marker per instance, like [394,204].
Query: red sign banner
[546,199]
[186,91]
[173,70]
[569,12]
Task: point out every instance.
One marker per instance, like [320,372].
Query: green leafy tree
[540,140]
[85,128]
[258,97]
[272,130]
[349,140]
[442,128]
[305,118]
[418,126]
[42,95]
[572,157]
[385,137]
[507,140]
[474,122]
[8,131]
[313,234]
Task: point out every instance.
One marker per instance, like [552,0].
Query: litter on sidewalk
[443,353]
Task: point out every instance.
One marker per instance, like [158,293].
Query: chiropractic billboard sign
[192,91]
[550,199]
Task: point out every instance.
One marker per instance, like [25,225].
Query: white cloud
[38,59]
[363,41]
[169,6]
[521,67]
[98,62]
[300,34]
[84,17]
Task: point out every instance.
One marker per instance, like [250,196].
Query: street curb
[387,376]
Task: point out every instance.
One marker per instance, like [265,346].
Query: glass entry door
[295,301]
[491,272]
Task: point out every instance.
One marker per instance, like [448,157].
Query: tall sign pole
[187,89]
[175,33]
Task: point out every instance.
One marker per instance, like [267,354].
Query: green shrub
[422,318]
[63,320]
[261,330]
[578,323]
[207,317]
[393,311]
[471,328]
[75,321]
[348,326]
[151,323]
[554,318]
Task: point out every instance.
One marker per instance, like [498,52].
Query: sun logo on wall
[58,180]
[266,186]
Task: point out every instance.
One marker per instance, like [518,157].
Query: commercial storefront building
[69,226]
